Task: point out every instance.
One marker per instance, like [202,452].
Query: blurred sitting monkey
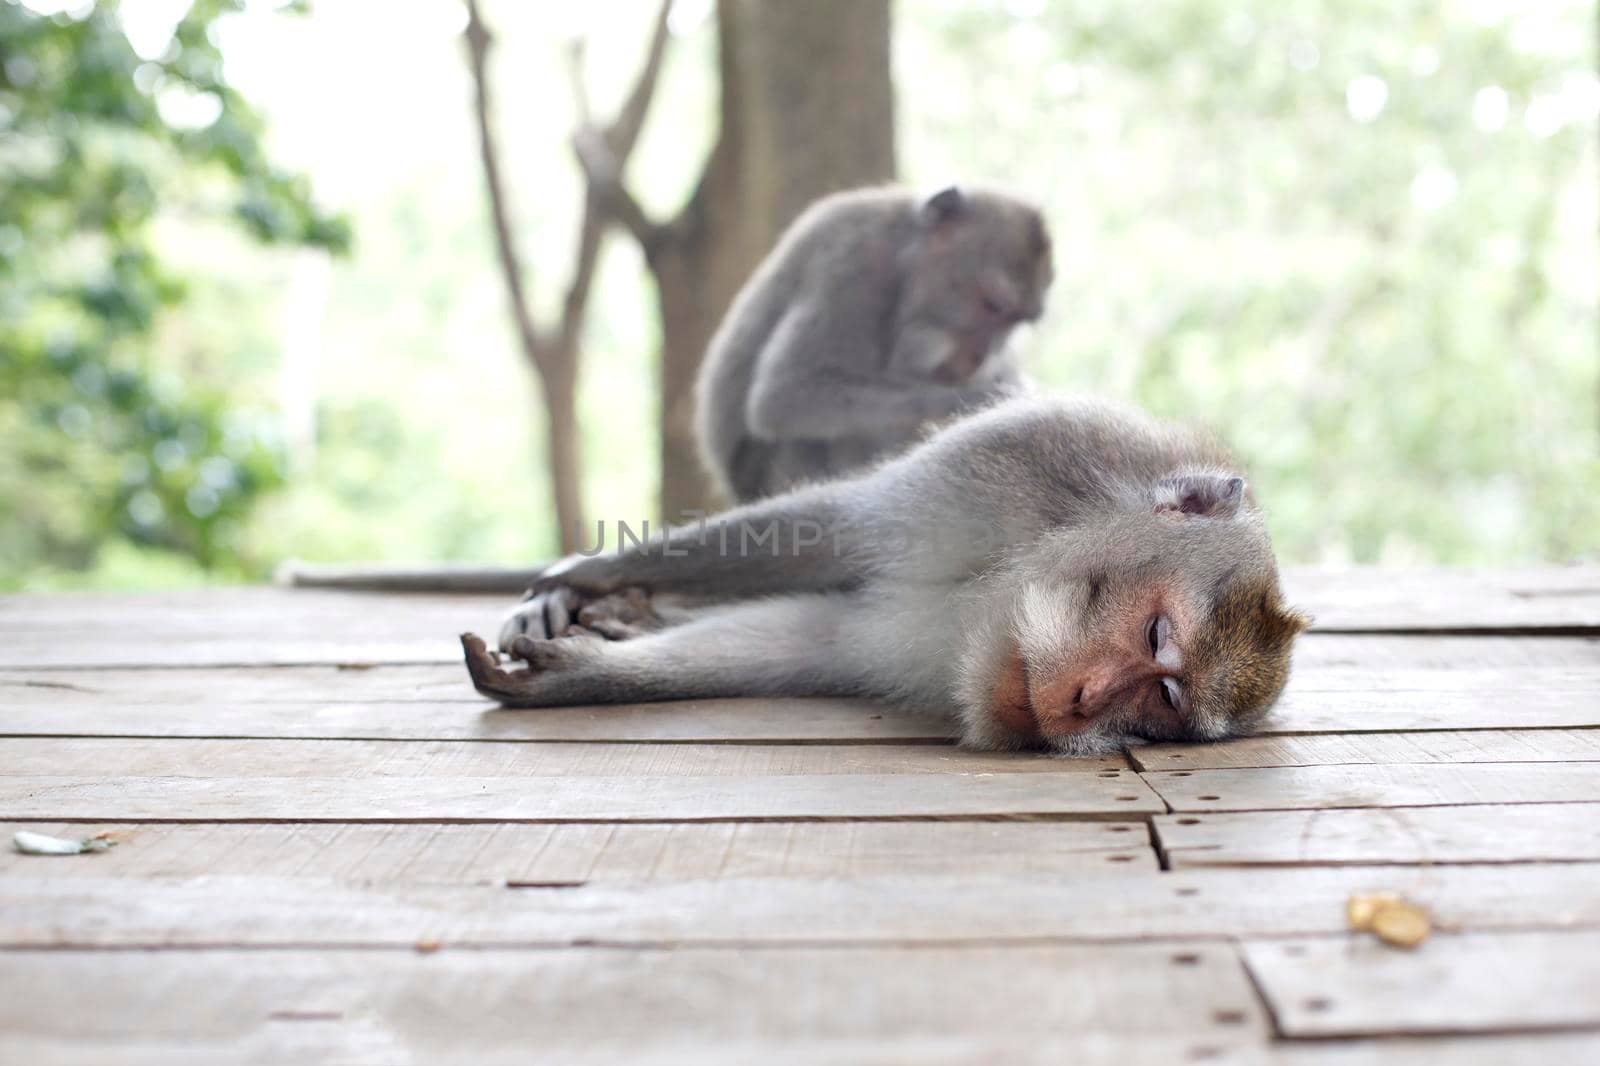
[877,314]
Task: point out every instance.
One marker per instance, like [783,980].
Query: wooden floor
[332,850]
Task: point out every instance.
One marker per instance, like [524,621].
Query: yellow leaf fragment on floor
[1390,917]
[1361,908]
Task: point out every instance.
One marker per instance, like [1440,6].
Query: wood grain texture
[38,910]
[107,758]
[1421,599]
[1378,655]
[1340,683]
[1349,663]
[737,721]
[1542,832]
[46,708]
[174,688]
[1403,785]
[786,881]
[212,627]
[1089,1005]
[1509,705]
[576,799]
[1348,986]
[1521,1049]
[717,721]
[496,854]
[1496,746]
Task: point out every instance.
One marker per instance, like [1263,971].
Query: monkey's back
[1043,458]
[818,247]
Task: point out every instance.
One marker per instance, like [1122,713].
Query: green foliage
[1356,236]
[104,440]
[1387,305]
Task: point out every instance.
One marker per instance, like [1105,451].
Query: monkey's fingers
[512,688]
[601,626]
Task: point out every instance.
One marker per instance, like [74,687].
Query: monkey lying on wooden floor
[1052,573]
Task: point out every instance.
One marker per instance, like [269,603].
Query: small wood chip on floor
[44,844]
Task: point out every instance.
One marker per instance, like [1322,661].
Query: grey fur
[906,582]
[864,325]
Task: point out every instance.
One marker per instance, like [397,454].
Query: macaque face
[984,270]
[1186,639]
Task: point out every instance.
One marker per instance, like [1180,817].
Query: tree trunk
[807,108]
[563,454]
[552,353]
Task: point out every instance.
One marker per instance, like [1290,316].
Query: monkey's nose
[1074,706]
[1069,704]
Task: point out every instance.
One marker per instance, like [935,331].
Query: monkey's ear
[1206,495]
[943,205]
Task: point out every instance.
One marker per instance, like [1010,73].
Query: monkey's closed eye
[1170,694]
[1157,633]
[991,306]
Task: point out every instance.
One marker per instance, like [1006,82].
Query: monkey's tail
[439,577]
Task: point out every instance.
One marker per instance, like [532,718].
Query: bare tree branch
[624,129]
[576,49]
[603,151]
[604,171]
[478,41]
[554,359]
[573,306]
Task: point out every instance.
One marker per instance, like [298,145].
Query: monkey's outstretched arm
[806,540]
[781,647]
[811,381]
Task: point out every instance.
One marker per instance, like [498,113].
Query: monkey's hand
[557,610]
[527,687]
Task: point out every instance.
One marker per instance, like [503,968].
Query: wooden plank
[1498,746]
[496,854]
[174,688]
[1090,1005]
[769,720]
[1382,708]
[1366,655]
[1540,832]
[1374,598]
[208,627]
[1517,1049]
[286,626]
[509,798]
[964,905]
[434,702]
[766,720]
[1322,663]
[1351,986]
[1404,785]
[106,758]
[1392,682]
